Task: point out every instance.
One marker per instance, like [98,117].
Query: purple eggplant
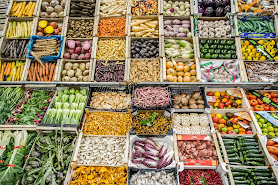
[201,10]
[200,2]
[218,3]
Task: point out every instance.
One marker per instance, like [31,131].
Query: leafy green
[149,121]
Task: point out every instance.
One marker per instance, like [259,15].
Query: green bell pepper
[206,46]
[204,50]
[210,42]
[202,55]
[203,41]
[207,56]
[224,51]
[213,46]
[234,56]
[220,56]
[230,42]
[223,42]
[216,42]
[220,47]
[233,47]
[228,56]
[211,51]
[227,47]
[214,56]
[217,51]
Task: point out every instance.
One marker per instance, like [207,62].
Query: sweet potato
[274,156]
[272,149]
[270,142]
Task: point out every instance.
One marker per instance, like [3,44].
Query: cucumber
[250,148]
[249,144]
[252,151]
[261,174]
[239,170]
[232,155]
[261,160]
[239,174]
[265,170]
[229,143]
[258,178]
[229,137]
[254,155]
[264,182]
[231,151]
[249,140]
[242,182]
[239,178]
[253,163]
[234,159]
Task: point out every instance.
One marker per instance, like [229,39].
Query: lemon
[218,115]
[217,93]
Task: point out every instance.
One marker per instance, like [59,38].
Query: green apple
[224,129]
[276,134]
[271,134]
[275,129]
[264,125]
[265,130]
[270,128]
[269,124]
[261,125]
[262,121]
[258,116]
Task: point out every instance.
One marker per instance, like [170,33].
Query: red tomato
[226,96]
[235,120]
[249,132]
[210,93]
[253,102]
[229,102]
[215,119]
[222,121]
[221,106]
[223,133]
[231,132]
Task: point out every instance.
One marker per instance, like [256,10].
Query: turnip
[70,73]
[78,43]
[73,79]
[68,66]
[75,66]
[71,44]
[74,56]
[80,79]
[67,56]
[71,51]
[87,56]
[82,66]
[78,50]
[78,73]
[81,57]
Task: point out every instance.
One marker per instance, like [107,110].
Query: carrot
[275,145]
[43,71]
[36,65]
[32,67]
[37,74]
[272,149]
[2,72]
[52,72]
[44,78]
[7,68]
[30,75]
[274,156]
[47,69]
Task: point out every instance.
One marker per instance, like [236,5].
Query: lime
[270,128]
[275,129]
[258,116]
[276,134]
[264,125]
[262,121]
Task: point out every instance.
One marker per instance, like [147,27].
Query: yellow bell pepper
[274,50]
[272,42]
[258,54]
[261,42]
[251,54]
[236,125]
[270,46]
[255,58]
[262,58]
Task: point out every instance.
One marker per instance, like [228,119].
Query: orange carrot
[43,71]
[32,67]
[52,72]
[44,78]
[47,69]
[2,72]
[7,68]
[30,75]
[37,75]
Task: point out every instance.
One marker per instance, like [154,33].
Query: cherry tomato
[222,121]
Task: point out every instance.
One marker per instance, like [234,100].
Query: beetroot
[67,56]
[74,56]
[83,51]
[71,51]
[87,56]
[78,50]
[78,43]
[81,57]
[71,44]
[86,45]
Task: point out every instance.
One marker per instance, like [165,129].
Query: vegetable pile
[23,9]
[192,123]
[272,147]
[214,29]
[256,26]
[251,6]
[74,72]
[101,150]
[267,127]
[111,27]
[181,72]
[112,8]
[152,154]
[148,97]
[99,174]
[37,72]
[15,147]
[176,8]
[49,160]
[107,123]
[217,49]
[67,107]
[212,8]
[110,100]
[11,71]
[144,28]
[188,101]
[144,7]
[19,29]
[153,177]
[82,8]
[243,151]
[232,123]
[45,47]
[77,50]
[196,150]
[48,29]
[188,177]
[151,123]
[15,49]
[145,48]
[80,28]
[177,28]
[255,175]
[111,49]
[259,50]
[110,71]
[262,71]
[9,98]
[52,9]
[178,49]
[258,105]
[144,70]
[230,99]
[32,108]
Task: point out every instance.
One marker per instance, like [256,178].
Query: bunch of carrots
[11,71]
[112,27]
[37,72]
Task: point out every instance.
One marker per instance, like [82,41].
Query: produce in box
[74,72]
[144,28]
[177,28]
[217,49]
[180,49]
[110,71]
[232,123]
[52,9]
[192,177]
[153,177]
[243,151]
[210,8]
[262,71]
[32,108]
[8,101]
[37,72]
[272,147]
[263,103]
[83,28]
[181,71]
[214,29]
[99,174]
[46,28]
[106,49]
[19,29]
[75,50]
[108,8]
[255,175]
[144,7]
[112,27]
[152,154]
[49,159]
[259,49]
[11,71]
[229,99]
[15,146]
[267,126]
[264,7]
[176,8]
[192,123]
[188,100]
[15,49]
[67,107]
[82,8]
[145,48]
[23,9]
[147,123]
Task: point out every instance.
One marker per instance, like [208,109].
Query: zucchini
[229,147]
[258,178]
[234,159]
[242,182]
[254,155]
[235,163]
[261,160]
[264,182]
[249,140]
[229,137]
[229,143]
[239,174]
[249,144]
[253,163]
[232,155]
[239,178]
[261,174]
[250,148]
[231,151]
[241,157]
[237,145]
[252,151]
[239,170]
[265,170]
